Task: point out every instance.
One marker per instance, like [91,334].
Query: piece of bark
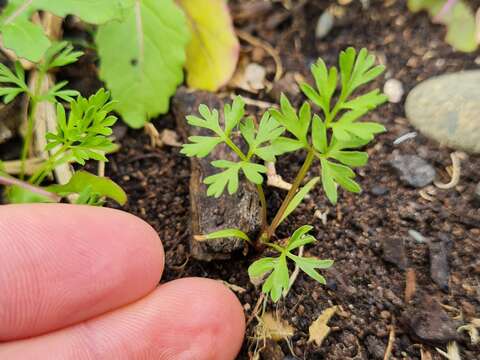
[208,214]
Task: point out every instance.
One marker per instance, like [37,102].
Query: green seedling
[81,136]
[13,83]
[159,39]
[330,135]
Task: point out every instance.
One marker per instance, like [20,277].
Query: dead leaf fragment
[319,329]
[274,328]
[472,330]
[452,351]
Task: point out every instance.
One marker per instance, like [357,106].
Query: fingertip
[78,261]
[185,319]
[214,317]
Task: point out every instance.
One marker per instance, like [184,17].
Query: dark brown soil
[369,289]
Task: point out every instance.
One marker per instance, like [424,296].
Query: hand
[80,282]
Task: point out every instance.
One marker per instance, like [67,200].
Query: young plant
[158,39]
[329,137]
[81,136]
[13,84]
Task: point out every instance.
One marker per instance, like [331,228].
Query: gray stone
[439,268]
[413,170]
[394,251]
[428,322]
[415,235]
[379,190]
[447,108]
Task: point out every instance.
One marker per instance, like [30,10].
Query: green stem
[263,204]
[291,193]
[261,194]
[48,166]
[27,142]
[236,149]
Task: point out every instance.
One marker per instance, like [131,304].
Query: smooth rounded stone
[447,108]
[324,25]
[393,88]
[413,170]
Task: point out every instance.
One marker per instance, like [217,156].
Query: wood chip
[411,284]
[319,329]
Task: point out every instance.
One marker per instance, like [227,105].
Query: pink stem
[449,4]
[8,181]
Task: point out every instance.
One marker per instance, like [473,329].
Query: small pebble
[379,190]
[385,314]
[413,170]
[393,88]
[419,238]
[324,25]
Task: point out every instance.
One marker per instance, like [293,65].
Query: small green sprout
[278,281]
[331,136]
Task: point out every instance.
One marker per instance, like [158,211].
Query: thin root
[167,137]
[257,103]
[456,170]
[267,47]
[275,180]
[391,340]
[254,313]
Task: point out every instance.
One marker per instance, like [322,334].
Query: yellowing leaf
[273,328]
[319,329]
[212,53]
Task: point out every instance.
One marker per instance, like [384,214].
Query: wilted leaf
[472,330]
[275,329]
[459,20]
[212,52]
[142,58]
[319,329]
[453,353]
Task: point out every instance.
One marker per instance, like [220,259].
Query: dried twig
[256,308]
[391,340]
[455,173]
[411,284]
[166,137]
[13,167]
[257,103]
[267,47]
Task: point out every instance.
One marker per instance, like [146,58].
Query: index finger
[62,264]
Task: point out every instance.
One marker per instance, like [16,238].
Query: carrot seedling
[330,137]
